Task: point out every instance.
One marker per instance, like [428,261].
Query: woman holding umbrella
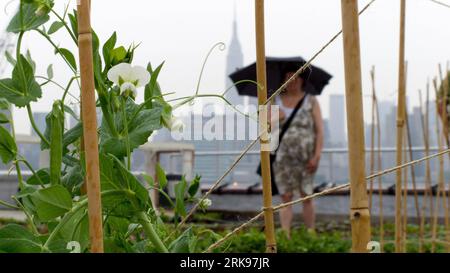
[298,155]
[295,161]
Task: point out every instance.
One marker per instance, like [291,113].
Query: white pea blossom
[205,203]
[176,124]
[128,77]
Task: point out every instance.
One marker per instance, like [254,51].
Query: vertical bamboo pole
[413,170]
[359,205]
[400,127]
[425,195]
[411,157]
[380,178]
[405,199]
[90,126]
[427,150]
[376,123]
[372,138]
[263,118]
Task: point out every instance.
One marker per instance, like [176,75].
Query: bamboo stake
[427,181]
[263,118]
[376,117]
[409,141]
[427,149]
[380,179]
[90,126]
[400,127]
[413,170]
[405,199]
[359,207]
[372,139]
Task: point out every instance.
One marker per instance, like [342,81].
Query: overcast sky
[181,33]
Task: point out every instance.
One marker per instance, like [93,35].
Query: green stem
[33,124]
[65,89]
[29,217]
[125,125]
[32,170]
[18,170]
[19,63]
[109,120]
[8,205]
[151,233]
[191,98]
[56,48]
[66,26]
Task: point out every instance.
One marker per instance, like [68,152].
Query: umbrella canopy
[315,77]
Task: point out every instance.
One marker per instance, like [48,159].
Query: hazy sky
[181,33]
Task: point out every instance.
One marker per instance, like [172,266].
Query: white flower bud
[176,124]
[205,203]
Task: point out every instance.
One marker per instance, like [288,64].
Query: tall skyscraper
[235,60]
[337,121]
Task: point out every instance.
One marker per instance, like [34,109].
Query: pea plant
[53,198]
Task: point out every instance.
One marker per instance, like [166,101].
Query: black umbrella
[316,78]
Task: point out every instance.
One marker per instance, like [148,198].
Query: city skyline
[183,60]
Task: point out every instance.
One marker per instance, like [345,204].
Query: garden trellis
[137,199]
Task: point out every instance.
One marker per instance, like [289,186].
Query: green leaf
[152,88]
[107,48]
[30,60]
[69,110]
[10,58]
[161,175]
[194,186]
[139,129]
[50,71]
[4,104]
[55,27]
[98,75]
[68,56]
[28,21]
[117,55]
[73,179]
[4,118]
[52,202]
[56,142]
[42,174]
[115,176]
[185,243]
[73,18]
[17,239]
[180,191]
[22,88]
[76,229]
[8,148]
[149,180]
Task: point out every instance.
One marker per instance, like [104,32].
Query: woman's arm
[318,122]
[313,163]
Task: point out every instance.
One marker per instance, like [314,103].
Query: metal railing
[211,164]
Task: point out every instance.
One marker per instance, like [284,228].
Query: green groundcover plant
[53,198]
